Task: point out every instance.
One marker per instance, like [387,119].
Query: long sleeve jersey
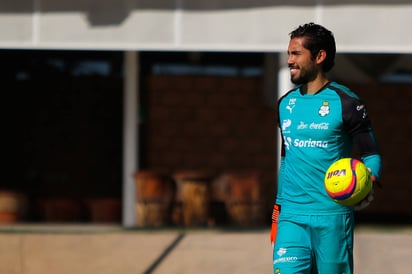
[318,129]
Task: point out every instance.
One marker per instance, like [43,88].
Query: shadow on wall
[114,12]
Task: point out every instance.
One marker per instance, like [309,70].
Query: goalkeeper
[320,122]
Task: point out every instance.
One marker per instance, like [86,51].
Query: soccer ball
[348,181]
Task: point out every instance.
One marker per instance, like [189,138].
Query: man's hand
[365,202]
[369,198]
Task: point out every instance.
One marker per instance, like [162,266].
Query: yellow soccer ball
[348,181]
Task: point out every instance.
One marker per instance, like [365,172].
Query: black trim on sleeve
[356,123]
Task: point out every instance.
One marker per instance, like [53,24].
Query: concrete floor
[53,249]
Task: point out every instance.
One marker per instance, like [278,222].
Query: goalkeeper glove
[369,198]
[275,217]
[365,202]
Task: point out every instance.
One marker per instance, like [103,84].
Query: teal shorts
[320,244]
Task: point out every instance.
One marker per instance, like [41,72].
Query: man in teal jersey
[320,122]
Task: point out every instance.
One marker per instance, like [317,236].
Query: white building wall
[261,25]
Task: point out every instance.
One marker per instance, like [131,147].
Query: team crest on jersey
[324,109]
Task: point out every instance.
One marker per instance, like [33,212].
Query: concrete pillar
[130,136]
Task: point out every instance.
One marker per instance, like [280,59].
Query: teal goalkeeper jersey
[318,129]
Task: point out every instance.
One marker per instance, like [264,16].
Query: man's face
[303,67]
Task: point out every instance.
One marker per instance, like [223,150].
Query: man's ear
[321,56]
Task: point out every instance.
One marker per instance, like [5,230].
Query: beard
[305,75]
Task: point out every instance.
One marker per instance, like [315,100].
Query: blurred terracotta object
[104,210]
[153,185]
[155,192]
[245,213]
[243,186]
[8,218]
[219,188]
[193,196]
[13,206]
[243,202]
[60,210]
[151,214]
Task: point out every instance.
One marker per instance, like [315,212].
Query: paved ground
[113,250]
[383,250]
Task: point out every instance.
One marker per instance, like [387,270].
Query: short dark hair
[317,38]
